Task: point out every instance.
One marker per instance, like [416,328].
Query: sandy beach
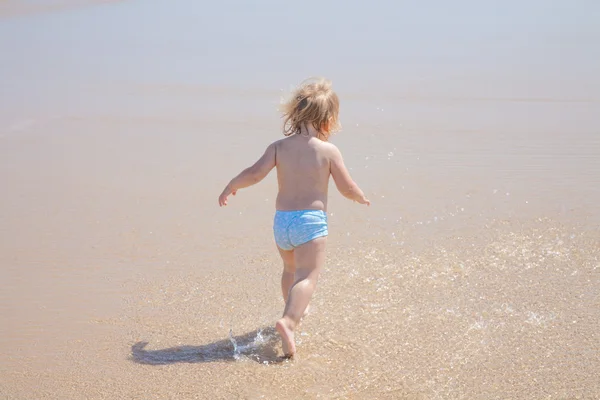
[474,132]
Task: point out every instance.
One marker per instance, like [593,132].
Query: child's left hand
[223,197]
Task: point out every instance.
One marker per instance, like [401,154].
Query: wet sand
[474,275]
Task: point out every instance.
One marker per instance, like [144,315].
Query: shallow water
[475,273]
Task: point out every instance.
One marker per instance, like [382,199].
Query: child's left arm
[251,175]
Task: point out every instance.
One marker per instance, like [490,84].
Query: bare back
[303,170]
[304,165]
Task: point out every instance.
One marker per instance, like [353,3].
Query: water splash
[236,350]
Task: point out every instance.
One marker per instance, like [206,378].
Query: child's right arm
[343,181]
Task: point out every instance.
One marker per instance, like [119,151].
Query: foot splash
[287,338]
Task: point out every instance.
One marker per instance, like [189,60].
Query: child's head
[313,103]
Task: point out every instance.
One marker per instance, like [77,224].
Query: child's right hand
[364,200]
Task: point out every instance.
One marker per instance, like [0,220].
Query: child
[305,160]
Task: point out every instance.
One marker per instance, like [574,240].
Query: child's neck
[310,131]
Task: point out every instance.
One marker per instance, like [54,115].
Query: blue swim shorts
[293,228]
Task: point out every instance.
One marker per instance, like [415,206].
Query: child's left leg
[288,274]
[289,271]
[309,258]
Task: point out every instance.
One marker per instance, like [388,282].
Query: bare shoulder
[276,147]
[278,143]
[331,150]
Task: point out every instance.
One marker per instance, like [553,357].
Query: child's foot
[306,312]
[287,338]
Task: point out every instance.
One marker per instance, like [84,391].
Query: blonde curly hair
[313,102]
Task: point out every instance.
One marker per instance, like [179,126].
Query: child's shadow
[258,345]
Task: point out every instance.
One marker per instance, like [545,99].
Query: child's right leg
[309,259]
